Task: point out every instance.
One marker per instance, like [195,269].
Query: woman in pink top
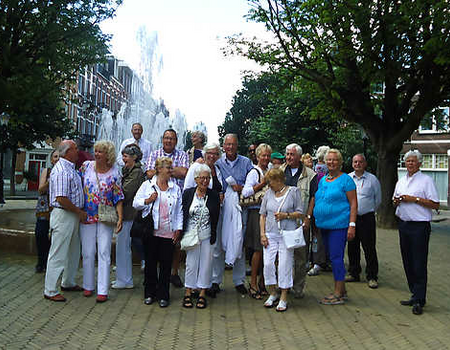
[161,198]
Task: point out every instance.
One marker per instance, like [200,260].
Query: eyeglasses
[203,178]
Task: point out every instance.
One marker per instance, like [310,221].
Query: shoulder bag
[190,239]
[106,213]
[291,238]
[143,227]
[255,198]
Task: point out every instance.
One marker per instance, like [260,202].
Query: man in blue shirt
[236,166]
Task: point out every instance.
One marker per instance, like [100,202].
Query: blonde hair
[337,152]
[162,162]
[275,174]
[306,156]
[263,147]
[107,147]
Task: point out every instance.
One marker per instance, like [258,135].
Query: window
[427,161]
[436,121]
[441,161]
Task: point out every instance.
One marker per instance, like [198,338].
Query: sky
[195,77]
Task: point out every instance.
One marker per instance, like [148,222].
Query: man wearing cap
[277,159]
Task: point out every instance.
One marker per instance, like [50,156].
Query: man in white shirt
[368,191]
[144,145]
[415,196]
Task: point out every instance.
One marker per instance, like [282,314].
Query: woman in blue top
[335,209]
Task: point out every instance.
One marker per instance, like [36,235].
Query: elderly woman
[132,178]
[102,185]
[255,183]
[211,153]
[307,160]
[198,141]
[43,215]
[415,196]
[201,207]
[335,209]
[321,168]
[281,208]
[161,198]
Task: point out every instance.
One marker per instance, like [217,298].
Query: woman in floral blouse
[101,184]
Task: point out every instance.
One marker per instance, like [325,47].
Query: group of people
[215,206]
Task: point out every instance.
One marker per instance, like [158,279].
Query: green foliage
[43,44]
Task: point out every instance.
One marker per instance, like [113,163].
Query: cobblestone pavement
[371,319]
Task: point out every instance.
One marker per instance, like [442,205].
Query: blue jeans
[335,241]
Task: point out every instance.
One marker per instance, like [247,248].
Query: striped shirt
[65,182]
[179,159]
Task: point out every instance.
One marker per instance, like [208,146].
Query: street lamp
[4,119]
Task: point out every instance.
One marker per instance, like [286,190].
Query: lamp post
[4,119]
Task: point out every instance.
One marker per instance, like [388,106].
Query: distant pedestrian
[415,196]
[198,141]
[137,139]
[368,191]
[66,198]
[43,215]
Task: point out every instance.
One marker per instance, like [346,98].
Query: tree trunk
[12,179]
[387,175]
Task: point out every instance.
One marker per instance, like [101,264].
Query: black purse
[143,227]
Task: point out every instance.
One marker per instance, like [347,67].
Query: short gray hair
[210,146]
[201,168]
[63,147]
[297,148]
[415,153]
[321,152]
[231,135]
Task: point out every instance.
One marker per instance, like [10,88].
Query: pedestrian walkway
[372,319]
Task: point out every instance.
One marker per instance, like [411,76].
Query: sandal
[255,294]
[201,303]
[282,306]
[332,300]
[271,301]
[262,290]
[187,302]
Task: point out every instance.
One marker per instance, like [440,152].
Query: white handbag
[190,239]
[291,238]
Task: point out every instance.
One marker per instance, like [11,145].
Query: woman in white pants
[201,207]
[101,184]
[132,178]
[282,204]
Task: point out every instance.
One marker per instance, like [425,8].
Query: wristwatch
[417,200]
[308,216]
[352,224]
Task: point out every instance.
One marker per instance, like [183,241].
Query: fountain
[142,106]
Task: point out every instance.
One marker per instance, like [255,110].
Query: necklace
[331,177]
[280,190]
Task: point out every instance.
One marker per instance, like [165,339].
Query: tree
[43,44]
[346,48]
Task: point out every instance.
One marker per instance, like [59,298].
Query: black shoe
[39,269]
[241,289]
[408,302]
[215,287]
[417,309]
[228,267]
[351,278]
[163,303]
[211,293]
[176,281]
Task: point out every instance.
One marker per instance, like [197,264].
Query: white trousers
[64,254]
[218,263]
[124,275]
[199,266]
[285,262]
[91,234]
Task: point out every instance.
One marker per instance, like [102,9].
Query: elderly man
[306,181]
[144,145]
[368,191]
[415,196]
[66,198]
[180,167]
[232,166]
[198,141]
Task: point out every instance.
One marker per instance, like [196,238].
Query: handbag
[190,239]
[106,213]
[255,198]
[291,238]
[143,227]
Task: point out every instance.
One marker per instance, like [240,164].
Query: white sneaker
[116,285]
[142,265]
[314,271]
